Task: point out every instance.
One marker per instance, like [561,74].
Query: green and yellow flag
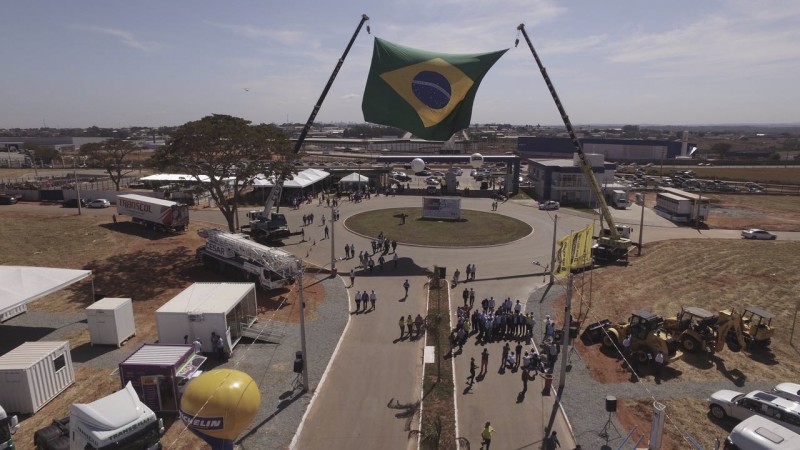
[427,94]
[574,251]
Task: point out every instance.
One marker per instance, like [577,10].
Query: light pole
[641,226]
[333,239]
[77,185]
[302,325]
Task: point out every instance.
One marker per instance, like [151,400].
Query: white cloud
[127,38]
[285,37]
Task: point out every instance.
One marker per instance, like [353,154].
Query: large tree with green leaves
[230,152]
[111,156]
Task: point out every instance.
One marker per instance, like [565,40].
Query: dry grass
[126,261]
[683,418]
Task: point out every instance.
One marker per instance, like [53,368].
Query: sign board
[441,208]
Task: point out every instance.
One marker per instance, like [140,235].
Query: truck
[618,199]
[8,426]
[236,255]
[117,421]
[154,213]
[266,225]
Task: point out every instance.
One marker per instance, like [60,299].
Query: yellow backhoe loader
[648,337]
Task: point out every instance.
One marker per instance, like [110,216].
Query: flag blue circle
[432,89]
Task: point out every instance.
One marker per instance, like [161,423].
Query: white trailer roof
[144,198]
[159,354]
[23,284]
[208,298]
[28,354]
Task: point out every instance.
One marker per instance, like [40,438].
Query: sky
[164,63]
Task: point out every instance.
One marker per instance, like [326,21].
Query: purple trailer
[160,372]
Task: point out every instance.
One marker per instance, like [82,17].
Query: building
[681,207]
[563,181]
[612,149]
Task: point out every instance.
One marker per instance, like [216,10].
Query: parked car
[789,391]
[7,200]
[758,433]
[73,203]
[432,190]
[457,170]
[401,176]
[423,173]
[549,205]
[99,203]
[432,181]
[737,405]
[437,173]
[755,233]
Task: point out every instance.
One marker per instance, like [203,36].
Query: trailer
[33,374]
[235,255]
[117,421]
[681,207]
[160,372]
[227,309]
[154,213]
[618,199]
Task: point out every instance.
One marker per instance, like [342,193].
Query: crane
[266,225]
[611,246]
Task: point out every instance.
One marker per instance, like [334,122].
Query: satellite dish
[476,160]
[417,165]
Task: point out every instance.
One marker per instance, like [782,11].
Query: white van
[789,391]
[758,433]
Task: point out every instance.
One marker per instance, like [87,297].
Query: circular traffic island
[406,225]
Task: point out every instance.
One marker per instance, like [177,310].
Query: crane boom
[608,237]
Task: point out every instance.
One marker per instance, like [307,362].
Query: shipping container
[110,321]
[33,374]
[227,309]
[160,372]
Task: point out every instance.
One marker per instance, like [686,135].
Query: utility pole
[641,226]
[77,185]
[302,325]
[553,254]
[333,239]
[565,334]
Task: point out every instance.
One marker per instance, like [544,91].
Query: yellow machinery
[757,326]
[698,329]
[648,337]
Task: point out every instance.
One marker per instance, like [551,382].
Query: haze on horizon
[78,64]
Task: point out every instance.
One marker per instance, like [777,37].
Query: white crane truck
[236,255]
[154,213]
[118,421]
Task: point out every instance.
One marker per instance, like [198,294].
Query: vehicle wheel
[690,344]
[718,412]
[643,356]
[610,341]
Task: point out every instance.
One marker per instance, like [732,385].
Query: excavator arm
[730,325]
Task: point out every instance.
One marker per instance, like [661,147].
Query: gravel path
[584,398]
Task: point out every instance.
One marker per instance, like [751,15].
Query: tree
[720,148]
[230,152]
[41,154]
[110,155]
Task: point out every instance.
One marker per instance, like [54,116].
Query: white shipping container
[223,308]
[33,374]
[110,321]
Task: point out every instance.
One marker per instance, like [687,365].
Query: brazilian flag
[428,94]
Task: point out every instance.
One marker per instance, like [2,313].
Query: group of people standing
[367,299]
[411,328]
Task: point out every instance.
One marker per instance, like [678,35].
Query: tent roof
[208,298]
[300,180]
[354,177]
[174,177]
[21,284]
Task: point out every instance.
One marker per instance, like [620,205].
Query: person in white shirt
[198,345]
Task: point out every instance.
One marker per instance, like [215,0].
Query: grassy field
[470,231]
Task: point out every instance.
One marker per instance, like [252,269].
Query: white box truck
[117,421]
[154,213]
[618,199]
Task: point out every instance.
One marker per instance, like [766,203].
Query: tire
[644,356]
[718,412]
[690,344]
[610,340]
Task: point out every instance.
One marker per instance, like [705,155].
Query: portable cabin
[110,321]
[159,373]
[33,374]
[226,309]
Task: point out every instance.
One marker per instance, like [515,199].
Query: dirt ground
[126,261]
[715,275]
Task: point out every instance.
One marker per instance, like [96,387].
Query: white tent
[20,285]
[302,179]
[354,177]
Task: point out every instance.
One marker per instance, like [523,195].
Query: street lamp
[77,185]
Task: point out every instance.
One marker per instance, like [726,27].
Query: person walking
[352,277]
[484,360]
[659,364]
[406,285]
[402,324]
[381,261]
[394,260]
[358,301]
[486,436]
[524,380]
[506,349]
[326,232]
[346,251]
[394,246]
[471,297]
[372,299]
[364,299]
[418,321]
[465,296]
[472,367]
[552,442]
[410,327]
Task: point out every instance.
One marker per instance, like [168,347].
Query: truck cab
[8,426]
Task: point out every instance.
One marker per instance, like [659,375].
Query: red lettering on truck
[128,204]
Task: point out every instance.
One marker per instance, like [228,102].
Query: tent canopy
[22,284]
[354,177]
[302,179]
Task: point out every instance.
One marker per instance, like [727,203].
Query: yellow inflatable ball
[219,404]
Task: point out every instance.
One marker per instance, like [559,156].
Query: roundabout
[475,229]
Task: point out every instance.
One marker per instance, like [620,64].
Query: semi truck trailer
[118,421]
[154,213]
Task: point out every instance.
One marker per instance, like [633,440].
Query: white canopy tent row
[300,180]
[20,285]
